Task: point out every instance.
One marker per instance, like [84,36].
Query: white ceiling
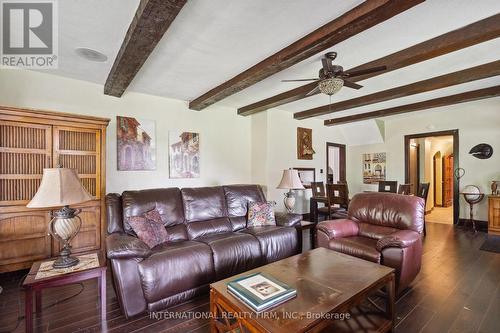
[212,40]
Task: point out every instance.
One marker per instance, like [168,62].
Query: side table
[304,225]
[42,276]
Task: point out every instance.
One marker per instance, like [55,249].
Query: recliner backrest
[205,210]
[168,201]
[237,199]
[388,209]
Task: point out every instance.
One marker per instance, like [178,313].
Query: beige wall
[224,136]
[477,122]
[280,130]
[256,149]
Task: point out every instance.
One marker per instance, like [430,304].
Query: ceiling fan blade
[365,71]
[299,80]
[313,92]
[352,85]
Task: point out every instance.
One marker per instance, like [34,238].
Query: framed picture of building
[136,144]
[374,168]
[184,154]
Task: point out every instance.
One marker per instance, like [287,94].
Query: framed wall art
[374,167]
[305,149]
[136,140]
[184,154]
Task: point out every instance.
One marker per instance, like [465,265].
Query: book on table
[260,291]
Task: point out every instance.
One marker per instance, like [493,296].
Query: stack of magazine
[260,291]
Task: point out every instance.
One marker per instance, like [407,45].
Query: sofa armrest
[122,246]
[400,239]
[114,212]
[288,219]
[338,228]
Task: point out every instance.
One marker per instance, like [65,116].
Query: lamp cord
[21,317]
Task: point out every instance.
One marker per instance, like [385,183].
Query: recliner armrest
[338,228]
[401,239]
[123,246]
[288,219]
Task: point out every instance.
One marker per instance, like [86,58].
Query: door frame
[342,160]
[456,182]
[417,148]
[434,181]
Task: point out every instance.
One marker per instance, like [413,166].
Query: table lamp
[290,181]
[61,187]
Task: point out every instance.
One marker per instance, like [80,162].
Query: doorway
[432,158]
[335,163]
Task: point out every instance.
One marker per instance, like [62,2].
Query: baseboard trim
[480,224]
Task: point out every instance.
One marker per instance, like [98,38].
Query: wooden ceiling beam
[360,18]
[152,19]
[425,105]
[467,75]
[472,34]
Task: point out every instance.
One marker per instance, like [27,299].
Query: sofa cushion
[375,231]
[204,203]
[168,201]
[198,229]
[276,243]
[175,267]
[233,253]
[361,247]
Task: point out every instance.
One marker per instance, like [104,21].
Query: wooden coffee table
[329,284]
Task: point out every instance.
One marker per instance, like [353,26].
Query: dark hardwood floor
[457,290]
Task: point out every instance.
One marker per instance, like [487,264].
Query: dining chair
[388,186]
[338,201]
[318,189]
[404,189]
[423,192]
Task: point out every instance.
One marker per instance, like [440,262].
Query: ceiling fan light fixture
[330,86]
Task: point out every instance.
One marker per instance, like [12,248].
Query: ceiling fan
[332,77]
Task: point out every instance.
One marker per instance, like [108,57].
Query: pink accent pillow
[149,228]
[260,214]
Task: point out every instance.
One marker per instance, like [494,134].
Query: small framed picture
[307,176]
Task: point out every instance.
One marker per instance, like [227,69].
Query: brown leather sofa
[208,241]
[384,228]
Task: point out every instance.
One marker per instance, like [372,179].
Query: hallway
[440,215]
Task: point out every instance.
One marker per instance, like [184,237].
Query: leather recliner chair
[384,228]
[208,241]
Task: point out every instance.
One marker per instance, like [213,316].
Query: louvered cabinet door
[80,149]
[25,150]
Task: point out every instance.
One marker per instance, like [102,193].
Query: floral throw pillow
[260,214]
[149,228]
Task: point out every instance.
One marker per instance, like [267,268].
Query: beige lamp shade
[59,187]
[290,180]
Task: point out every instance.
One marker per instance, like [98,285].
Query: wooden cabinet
[494,214]
[30,141]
